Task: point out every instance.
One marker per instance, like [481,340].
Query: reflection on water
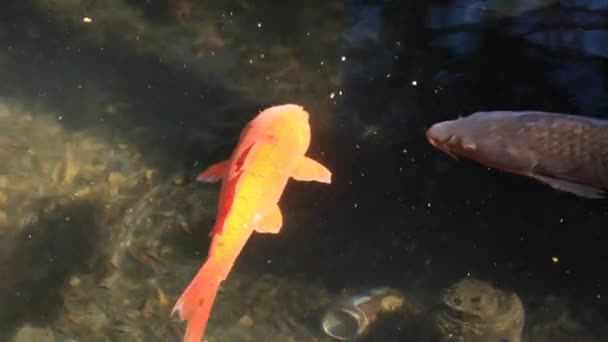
[557,32]
[108,109]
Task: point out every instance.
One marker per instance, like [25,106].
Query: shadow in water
[40,258]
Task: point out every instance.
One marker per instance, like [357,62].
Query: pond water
[110,109]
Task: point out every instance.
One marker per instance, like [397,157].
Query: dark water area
[177,80]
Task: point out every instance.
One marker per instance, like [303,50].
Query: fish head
[452,140]
[286,124]
[292,125]
[490,138]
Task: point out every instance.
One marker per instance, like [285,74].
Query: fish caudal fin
[194,305]
[310,170]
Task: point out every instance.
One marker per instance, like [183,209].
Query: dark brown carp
[567,152]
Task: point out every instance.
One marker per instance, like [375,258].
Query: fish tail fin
[194,305]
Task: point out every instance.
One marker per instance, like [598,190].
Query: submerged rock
[475,311]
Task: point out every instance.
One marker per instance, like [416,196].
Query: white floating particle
[332,95]
[259,24]
[414,83]
[322,63]
[343,58]
[87,20]
[555,259]
[340,92]
[388,75]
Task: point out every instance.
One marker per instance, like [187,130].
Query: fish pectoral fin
[214,172]
[578,189]
[310,170]
[271,223]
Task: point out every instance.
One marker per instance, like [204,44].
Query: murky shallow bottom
[90,237]
[97,241]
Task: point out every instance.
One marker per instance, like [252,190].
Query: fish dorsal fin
[578,189]
[231,185]
[307,169]
[241,159]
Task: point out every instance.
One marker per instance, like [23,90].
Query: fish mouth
[440,145]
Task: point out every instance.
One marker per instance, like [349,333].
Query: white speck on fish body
[257,217]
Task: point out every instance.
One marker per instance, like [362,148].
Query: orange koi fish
[270,150]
